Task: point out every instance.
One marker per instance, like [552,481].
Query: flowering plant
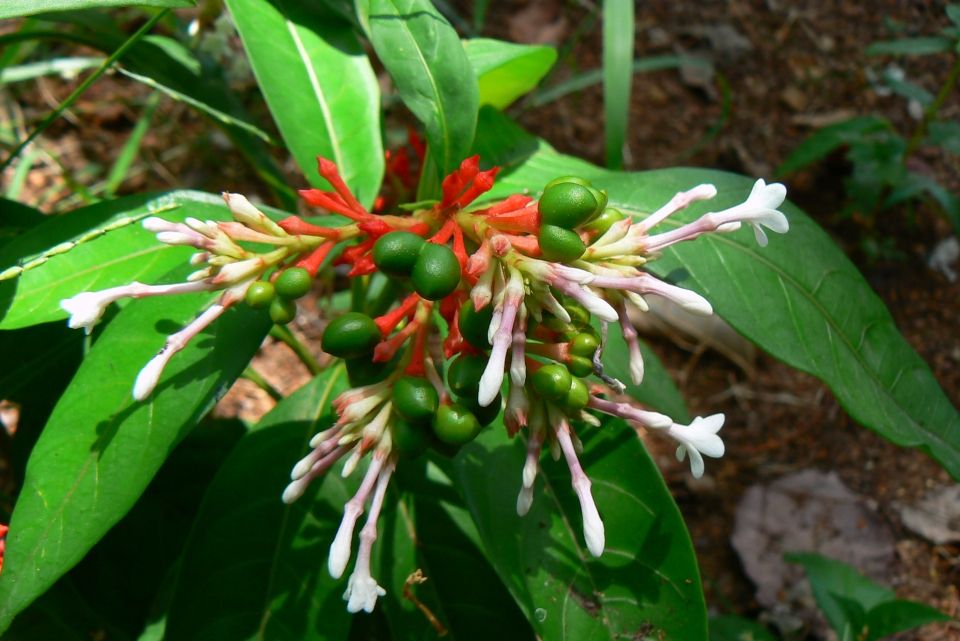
[491,286]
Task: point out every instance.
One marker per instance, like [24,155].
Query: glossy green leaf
[319,85]
[16,218]
[100,448]
[17,8]
[255,568]
[618,33]
[428,528]
[431,71]
[645,584]
[506,70]
[95,247]
[921,46]
[831,579]
[733,628]
[897,616]
[945,134]
[800,299]
[60,614]
[831,138]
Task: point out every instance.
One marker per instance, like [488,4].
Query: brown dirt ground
[797,65]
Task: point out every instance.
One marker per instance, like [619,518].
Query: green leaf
[92,248]
[646,582]
[910,46]
[891,617]
[254,568]
[831,581]
[733,628]
[430,68]
[18,8]
[16,219]
[945,134]
[824,141]
[84,475]
[431,530]
[61,614]
[319,85]
[618,33]
[800,299]
[907,89]
[506,70]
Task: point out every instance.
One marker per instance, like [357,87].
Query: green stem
[257,379]
[284,335]
[931,112]
[82,87]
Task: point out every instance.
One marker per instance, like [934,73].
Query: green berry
[566,330]
[396,253]
[415,399]
[463,377]
[485,415]
[568,205]
[455,424]
[260,294]
[567,179]
[282,311]
[580,366]
[409,439]
[579,315]
[475,325]
[552,381]
[293,283]
[599,225]
[351,335]
[601,196]
[436,272]
[585,344]
[560,245]
[577,396]
[363,371]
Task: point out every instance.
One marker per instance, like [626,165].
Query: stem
[931,112]
[257,379]
[283,334]
[82,87]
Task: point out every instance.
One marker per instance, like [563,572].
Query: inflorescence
[493,298]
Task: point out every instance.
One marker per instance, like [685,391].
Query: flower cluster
[503,307]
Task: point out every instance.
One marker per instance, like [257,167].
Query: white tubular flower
[86,308]
[593,531]
[244,212]
[759,210]
[362,590]
[698,439]
[340,548]
[492,377]
[149,376]
[680,200]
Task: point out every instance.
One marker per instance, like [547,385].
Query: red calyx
[299,227]
[312,261]
[389,321]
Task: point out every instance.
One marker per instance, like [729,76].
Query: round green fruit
[599,225]
[436,272]
[463,377]
[260,294]
[552,381]
[351,335]
[415,399]
[363,371]
[475,325]
[579,315]
[585,344]
[455,424]
[396,253]
[282,311]
[568,205]
[293,283]
[488,414]
[409,439]
[577,396]
[560,245]
[580,366]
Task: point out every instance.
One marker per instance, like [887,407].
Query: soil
[790,67]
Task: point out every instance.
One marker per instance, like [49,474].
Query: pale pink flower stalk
[362,589]
[87,308]
[593,532]
[492,378]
